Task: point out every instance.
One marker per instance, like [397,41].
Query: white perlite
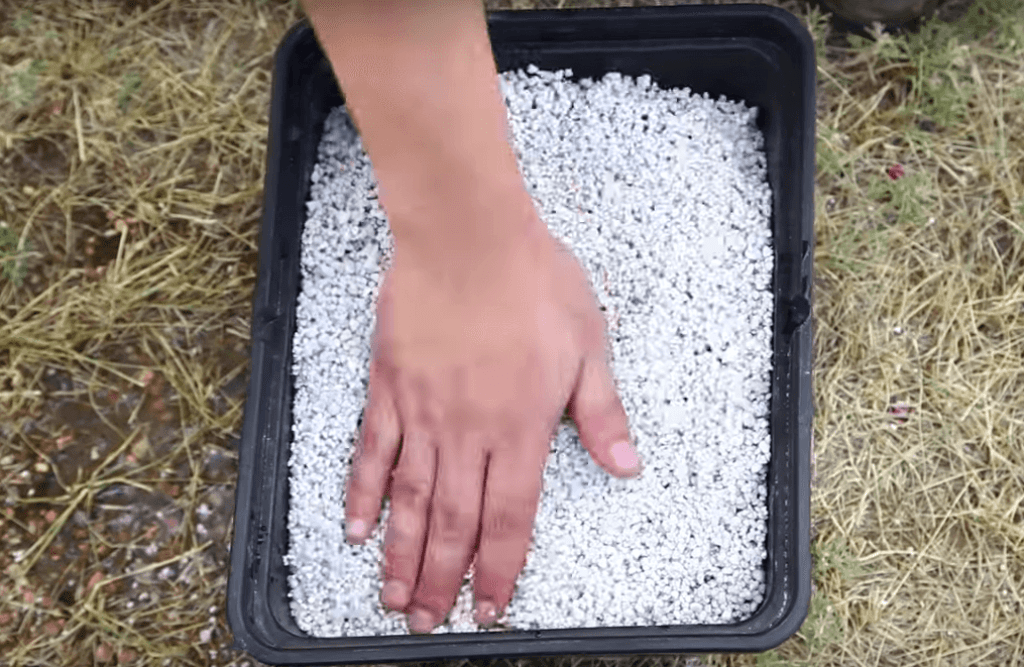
[663,197]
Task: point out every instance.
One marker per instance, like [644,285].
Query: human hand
[468,381]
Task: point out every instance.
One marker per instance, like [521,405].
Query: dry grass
[132,148]
[133,145]
[920,345]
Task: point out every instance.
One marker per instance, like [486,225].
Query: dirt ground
[132,157]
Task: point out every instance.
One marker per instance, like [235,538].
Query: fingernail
[624,457]
[486,614]
[356,531]
[395,595]
[421,622]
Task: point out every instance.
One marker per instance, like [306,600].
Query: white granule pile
[663,197]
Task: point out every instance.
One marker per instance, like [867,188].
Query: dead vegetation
[132,153]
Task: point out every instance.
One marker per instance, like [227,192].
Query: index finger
[511,496]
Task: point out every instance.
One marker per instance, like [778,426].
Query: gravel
[663,196]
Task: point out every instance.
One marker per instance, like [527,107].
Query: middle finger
[412,485]
[451,533]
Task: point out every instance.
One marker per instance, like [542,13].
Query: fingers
[451,535]
[511,494]
[601,420]
[411,488]
[374,458]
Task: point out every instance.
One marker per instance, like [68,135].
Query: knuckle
[410,490]
[497,579]
[453,523]
[505,582]
[616,410]
[357,485]
[606,417]
[376,436]
[507,521]
[363,486]
[437,602]
[365,478]
[399,564]
[402,547]
[369,442]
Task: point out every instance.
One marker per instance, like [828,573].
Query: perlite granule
[663,197]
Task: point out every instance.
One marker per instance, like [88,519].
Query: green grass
[130,84]
[23,21]
[21,88]
[12,262]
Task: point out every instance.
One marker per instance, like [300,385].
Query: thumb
[601,420]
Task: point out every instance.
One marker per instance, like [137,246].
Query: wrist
[461,206]
[479,234]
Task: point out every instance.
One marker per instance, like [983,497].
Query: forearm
[421,85]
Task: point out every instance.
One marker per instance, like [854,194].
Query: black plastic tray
[755,53]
